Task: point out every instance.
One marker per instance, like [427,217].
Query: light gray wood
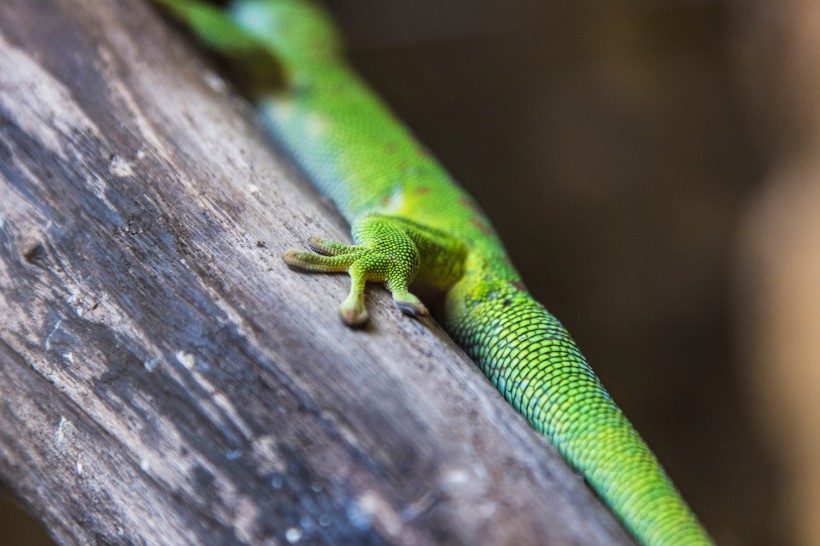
[167,380]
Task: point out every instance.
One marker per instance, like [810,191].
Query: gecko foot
[384,253]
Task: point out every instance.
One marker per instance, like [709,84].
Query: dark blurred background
[650,165]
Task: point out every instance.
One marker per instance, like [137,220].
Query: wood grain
[167,380]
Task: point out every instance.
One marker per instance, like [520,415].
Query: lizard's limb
[254,64]
[385,252]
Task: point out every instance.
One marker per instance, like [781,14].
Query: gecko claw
[410,305]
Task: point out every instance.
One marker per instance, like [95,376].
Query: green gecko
[412,225]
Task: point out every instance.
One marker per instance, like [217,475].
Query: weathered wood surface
[166,379]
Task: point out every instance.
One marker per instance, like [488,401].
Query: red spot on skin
[481,225]
[391,147]
[422,190]
[518,286]
[468,203]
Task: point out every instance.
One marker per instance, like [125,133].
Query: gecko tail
[531,358]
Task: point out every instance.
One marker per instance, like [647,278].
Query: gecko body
[412,225]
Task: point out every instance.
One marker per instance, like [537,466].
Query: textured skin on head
[411,222]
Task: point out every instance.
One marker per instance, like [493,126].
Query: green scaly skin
[412,224]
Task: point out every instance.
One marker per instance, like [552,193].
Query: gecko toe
[410,304]
[354,315]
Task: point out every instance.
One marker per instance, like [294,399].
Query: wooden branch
[167,380]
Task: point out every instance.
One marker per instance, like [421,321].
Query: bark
[167,380]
